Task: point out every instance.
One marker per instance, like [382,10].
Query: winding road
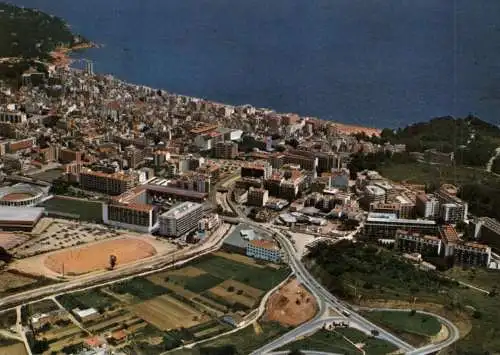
[324,297]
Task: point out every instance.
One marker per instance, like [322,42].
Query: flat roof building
[20,218]
[180,219]
[385,225]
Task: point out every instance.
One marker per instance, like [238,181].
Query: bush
[230,289]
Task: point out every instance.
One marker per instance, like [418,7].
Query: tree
[112,261]
[413,312]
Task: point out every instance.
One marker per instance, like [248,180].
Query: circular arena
[21,195]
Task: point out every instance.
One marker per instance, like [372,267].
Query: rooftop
[21,214]
[181,210]
[264,244]
[393,218]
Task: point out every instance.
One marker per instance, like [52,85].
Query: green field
[85,210]
[262,278]
[487,279]
[87,299]
[8,318]
[377,276]
[242,342]
[418,323]
[139,287]
[202,283]
[371,345]
[324,340]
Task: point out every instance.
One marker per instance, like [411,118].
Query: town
[139,221]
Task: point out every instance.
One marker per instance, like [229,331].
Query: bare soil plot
[237,292]
[96,256]
[11,240]
[10,281]
[15,349]
[291,305]
[165,312]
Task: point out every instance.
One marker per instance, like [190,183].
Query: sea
[379,63]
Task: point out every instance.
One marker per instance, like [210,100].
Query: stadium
[21,195]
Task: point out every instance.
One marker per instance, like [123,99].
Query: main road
[325,296]
[315,287]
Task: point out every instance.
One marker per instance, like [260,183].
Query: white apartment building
[180,219]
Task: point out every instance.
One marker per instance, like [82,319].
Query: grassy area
[415,328]
[371,345]
[486,279]
[13,281]
[383,278]
[424,173]
[201,283]
[261,278]
[8,318]
[241,342]
[92,298]
[324,340]
[82,209]
[139,287]
[417,323]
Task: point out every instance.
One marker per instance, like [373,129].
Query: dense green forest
[29,33]
[472,140]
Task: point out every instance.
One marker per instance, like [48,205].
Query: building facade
[180,219]
[265,250]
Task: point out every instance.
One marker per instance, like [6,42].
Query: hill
[472,140]
[29,33]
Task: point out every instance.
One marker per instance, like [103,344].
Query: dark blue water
[373,62]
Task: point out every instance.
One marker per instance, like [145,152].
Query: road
[454,333]
[318,291]
[140,268]
[324,295]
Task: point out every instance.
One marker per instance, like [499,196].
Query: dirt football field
[97,256]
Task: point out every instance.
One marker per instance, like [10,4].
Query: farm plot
[88,299]
[165,313]
[141,288]
[236,292]
[16,348]
[8,319]
[261,278]
[12,281]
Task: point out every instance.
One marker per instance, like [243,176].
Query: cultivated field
[291,305]
[166,309]
[17,348]
[12,281]
[96,256]
[165,313]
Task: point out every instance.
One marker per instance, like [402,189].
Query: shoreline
[61,55]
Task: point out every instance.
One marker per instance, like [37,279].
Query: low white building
[265,250]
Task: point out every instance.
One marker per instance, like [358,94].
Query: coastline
[61,55]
